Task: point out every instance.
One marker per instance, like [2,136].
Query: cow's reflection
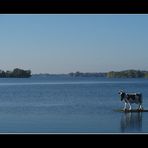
[131,122]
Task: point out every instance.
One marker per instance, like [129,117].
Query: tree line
[128,74]
[113,74]
[16,73]
[87,74]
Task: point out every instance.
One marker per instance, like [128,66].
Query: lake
[63,104]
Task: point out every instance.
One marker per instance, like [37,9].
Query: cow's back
[134,97]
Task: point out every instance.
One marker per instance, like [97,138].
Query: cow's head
[122,94]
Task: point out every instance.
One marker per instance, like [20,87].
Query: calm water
[69,105]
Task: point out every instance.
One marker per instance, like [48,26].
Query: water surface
[59,104]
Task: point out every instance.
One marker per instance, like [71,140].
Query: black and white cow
[130,98]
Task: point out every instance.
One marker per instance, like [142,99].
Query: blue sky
[69,43]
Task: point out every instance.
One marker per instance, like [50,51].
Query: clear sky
[70,43]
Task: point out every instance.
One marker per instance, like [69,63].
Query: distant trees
[113,74]
[87,74]
[146,75]
[16,73]
[20,73]
[128,74]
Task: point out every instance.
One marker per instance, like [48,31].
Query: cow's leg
[140,107]
[124,106]
[140,103]
[129,106]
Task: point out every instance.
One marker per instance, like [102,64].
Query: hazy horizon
[60,44]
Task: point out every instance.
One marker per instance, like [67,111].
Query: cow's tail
[141,98]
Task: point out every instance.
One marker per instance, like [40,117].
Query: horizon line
[87,72]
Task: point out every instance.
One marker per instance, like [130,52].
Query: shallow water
[59,104]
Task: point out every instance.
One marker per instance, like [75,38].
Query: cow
[130,98]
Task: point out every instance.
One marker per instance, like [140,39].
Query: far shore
[110,74]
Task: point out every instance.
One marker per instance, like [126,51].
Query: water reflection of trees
[131,122]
